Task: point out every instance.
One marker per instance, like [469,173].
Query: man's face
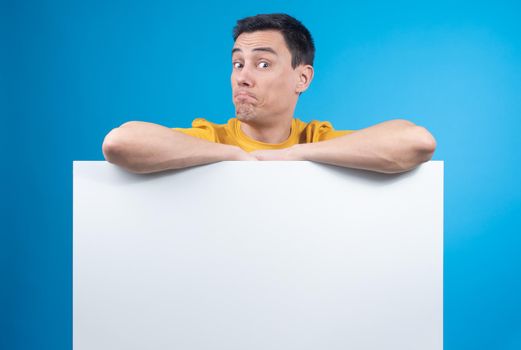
[264,84]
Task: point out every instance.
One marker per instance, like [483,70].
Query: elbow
[113,146]
[423,143]
[422,139]
[119,147]
[421,151]
[426,144]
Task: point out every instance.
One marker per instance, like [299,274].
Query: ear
[305,75]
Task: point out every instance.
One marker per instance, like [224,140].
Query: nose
[243,77]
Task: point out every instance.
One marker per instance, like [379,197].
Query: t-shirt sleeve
[331,134]
[323,131]
[201,128]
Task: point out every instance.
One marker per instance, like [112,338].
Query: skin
[265,87]
[265,93]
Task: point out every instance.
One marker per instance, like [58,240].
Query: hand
[290,153]
[240,154]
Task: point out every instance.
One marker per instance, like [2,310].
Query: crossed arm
[390,147]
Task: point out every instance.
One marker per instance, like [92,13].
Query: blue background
[72,70]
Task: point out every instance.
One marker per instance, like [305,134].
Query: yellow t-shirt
[232,134]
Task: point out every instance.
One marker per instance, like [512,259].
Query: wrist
[299,151]
[234,153]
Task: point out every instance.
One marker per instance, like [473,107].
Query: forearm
[390,147]
[143,147]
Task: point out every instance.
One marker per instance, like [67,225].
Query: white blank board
[270,255]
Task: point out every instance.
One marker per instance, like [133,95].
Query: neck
[271,133]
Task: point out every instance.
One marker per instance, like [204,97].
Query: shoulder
[201,128]
[321,130]
[314,126]
[199,122]
[320,124]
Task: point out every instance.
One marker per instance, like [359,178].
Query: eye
[263,64]
[237,65]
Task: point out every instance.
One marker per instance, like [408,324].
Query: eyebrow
[264,49]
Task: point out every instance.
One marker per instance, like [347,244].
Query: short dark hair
[298,39]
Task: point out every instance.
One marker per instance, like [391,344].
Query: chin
[245,113]
[245,118]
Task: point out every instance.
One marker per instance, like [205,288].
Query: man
[272,64]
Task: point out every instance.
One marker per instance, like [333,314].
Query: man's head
[272,60]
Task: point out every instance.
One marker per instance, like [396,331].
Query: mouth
[244,95]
